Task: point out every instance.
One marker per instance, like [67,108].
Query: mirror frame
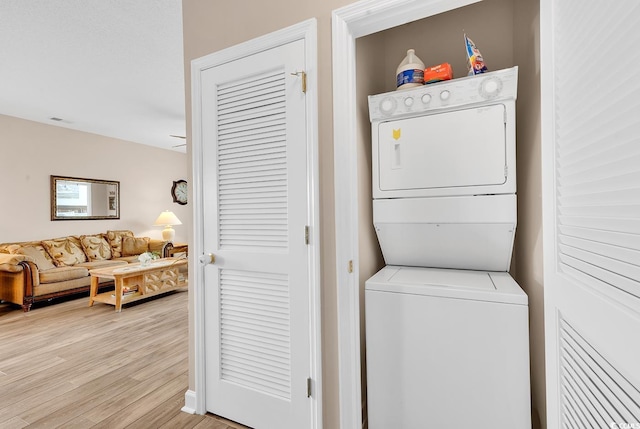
[54,198]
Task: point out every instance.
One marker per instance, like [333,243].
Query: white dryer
[446,326]
[444,173]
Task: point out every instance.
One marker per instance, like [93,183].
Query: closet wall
[505,31]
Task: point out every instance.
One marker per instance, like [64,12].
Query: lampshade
[167,219]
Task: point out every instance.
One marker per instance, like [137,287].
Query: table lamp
[167,219]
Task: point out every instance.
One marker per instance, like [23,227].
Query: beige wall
[370,259]
[32,152]
[439,39]
[504,33]
[527,262]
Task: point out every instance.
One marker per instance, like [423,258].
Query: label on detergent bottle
[410,76]
[410,72]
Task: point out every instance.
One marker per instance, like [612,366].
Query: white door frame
[350,22]
[307,31]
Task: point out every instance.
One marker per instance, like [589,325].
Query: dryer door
[446,153]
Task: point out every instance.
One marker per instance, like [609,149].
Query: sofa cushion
[60,274]
[95,247]
[64,251]
[115,241]
[4,247]
[72,238]
[132,246]
[14,247]
[39,255]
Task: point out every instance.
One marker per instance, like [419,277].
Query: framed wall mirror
[73,198]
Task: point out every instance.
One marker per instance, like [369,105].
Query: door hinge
[309,387]
[350,266]
[506,171]
[306,234]
[302,74]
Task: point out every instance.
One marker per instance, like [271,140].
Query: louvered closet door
[255,192]
[591,195]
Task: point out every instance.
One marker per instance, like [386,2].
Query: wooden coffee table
[135,281]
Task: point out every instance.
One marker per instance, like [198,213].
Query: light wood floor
[70,366]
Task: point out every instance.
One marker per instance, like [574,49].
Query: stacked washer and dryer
[446,326]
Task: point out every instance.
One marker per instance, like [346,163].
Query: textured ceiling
[109,67]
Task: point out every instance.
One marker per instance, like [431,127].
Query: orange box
[438,73]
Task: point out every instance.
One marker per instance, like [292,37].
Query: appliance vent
[593,393]
[252,163]
[255,344]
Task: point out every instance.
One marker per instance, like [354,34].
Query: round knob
[444,95]
[491,87]
[387,105]
[408,101]
[209,258]
[426,98]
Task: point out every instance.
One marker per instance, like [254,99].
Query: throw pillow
[13,248]
[64,252]
[132,246]
[39,256]
[95,247]
[115,241]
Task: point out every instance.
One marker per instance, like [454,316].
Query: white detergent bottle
[410,72]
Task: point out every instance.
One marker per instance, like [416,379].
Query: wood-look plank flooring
[67,365]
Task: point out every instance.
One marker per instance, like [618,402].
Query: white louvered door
[255,210]
[591,196]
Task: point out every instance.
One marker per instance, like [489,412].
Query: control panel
[482,88]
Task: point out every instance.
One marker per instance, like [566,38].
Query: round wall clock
[179,191]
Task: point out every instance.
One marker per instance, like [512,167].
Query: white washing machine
[446,349]
[446,326]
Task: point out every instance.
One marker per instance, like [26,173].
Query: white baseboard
[189,402]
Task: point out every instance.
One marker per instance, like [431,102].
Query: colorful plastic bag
[474,58]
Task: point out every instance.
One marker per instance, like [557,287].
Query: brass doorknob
[209,258]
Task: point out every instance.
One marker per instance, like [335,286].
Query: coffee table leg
[118,283]
[94,289]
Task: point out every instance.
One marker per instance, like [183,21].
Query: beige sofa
[42,270]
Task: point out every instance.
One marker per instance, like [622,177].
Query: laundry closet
[436,40]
